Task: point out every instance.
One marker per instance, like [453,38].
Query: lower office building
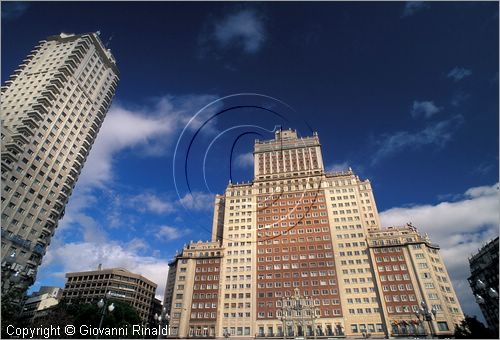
[192,292]
[40,303]
[123,285]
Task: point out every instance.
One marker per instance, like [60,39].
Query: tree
[77,314]
[10,311]
[472,328]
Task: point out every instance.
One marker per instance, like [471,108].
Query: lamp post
[283,323]
[164,317]
[427,315]
[487,298]
[103,306]
[489,293]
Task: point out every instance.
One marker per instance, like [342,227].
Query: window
[354,328]
[443,326]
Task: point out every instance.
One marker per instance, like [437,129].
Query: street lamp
[487,298]
[160,318]
[427,315]
[488,292]
[102,304]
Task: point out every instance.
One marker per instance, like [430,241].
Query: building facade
[192,293]
[484,282]
[296,259]
[123,285]
[39,303]
[52,108]
[409,270]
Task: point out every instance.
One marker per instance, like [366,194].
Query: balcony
[31,122]
[52,88]
[62,198]
[71,177]
[39,249]
[67,70]
[25,130]
[40,107]
[31,262]
[92,131]
[85,148]
[61,76]
[75,57]
[79,50]
[51,219]
[66,188]
[49,94]
[14,147]
[72,63]
[47,230]
[57,82]
[20,139]
[44,101]
[6,166]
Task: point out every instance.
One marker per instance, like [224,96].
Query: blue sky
[404,93]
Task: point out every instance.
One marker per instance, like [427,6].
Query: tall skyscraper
[52,108]
[293,258]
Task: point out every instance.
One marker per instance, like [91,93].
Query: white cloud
[244,160]
[244,29]
[338,167]
[460,227]
[412,7]
[150,203]
[424,108]
[198,201]
[149,129]
[458,98]
[83,256]
[438,134]
[13,10]
[171,233]
[459,73]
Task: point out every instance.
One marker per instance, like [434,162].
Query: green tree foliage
[472,328]
[78,314]
[10,311]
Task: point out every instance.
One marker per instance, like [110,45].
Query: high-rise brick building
[52,108]
[296,258]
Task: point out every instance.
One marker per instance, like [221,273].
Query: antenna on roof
[109,40]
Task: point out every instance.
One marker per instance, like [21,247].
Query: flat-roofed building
[91,286]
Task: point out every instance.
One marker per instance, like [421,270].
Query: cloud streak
[12,10]
[438,134]
[244,160]
[244,30]
[413,7]
[338,167]
[169,233]
[426,109]
[459,73]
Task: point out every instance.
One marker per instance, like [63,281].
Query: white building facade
[52,108]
